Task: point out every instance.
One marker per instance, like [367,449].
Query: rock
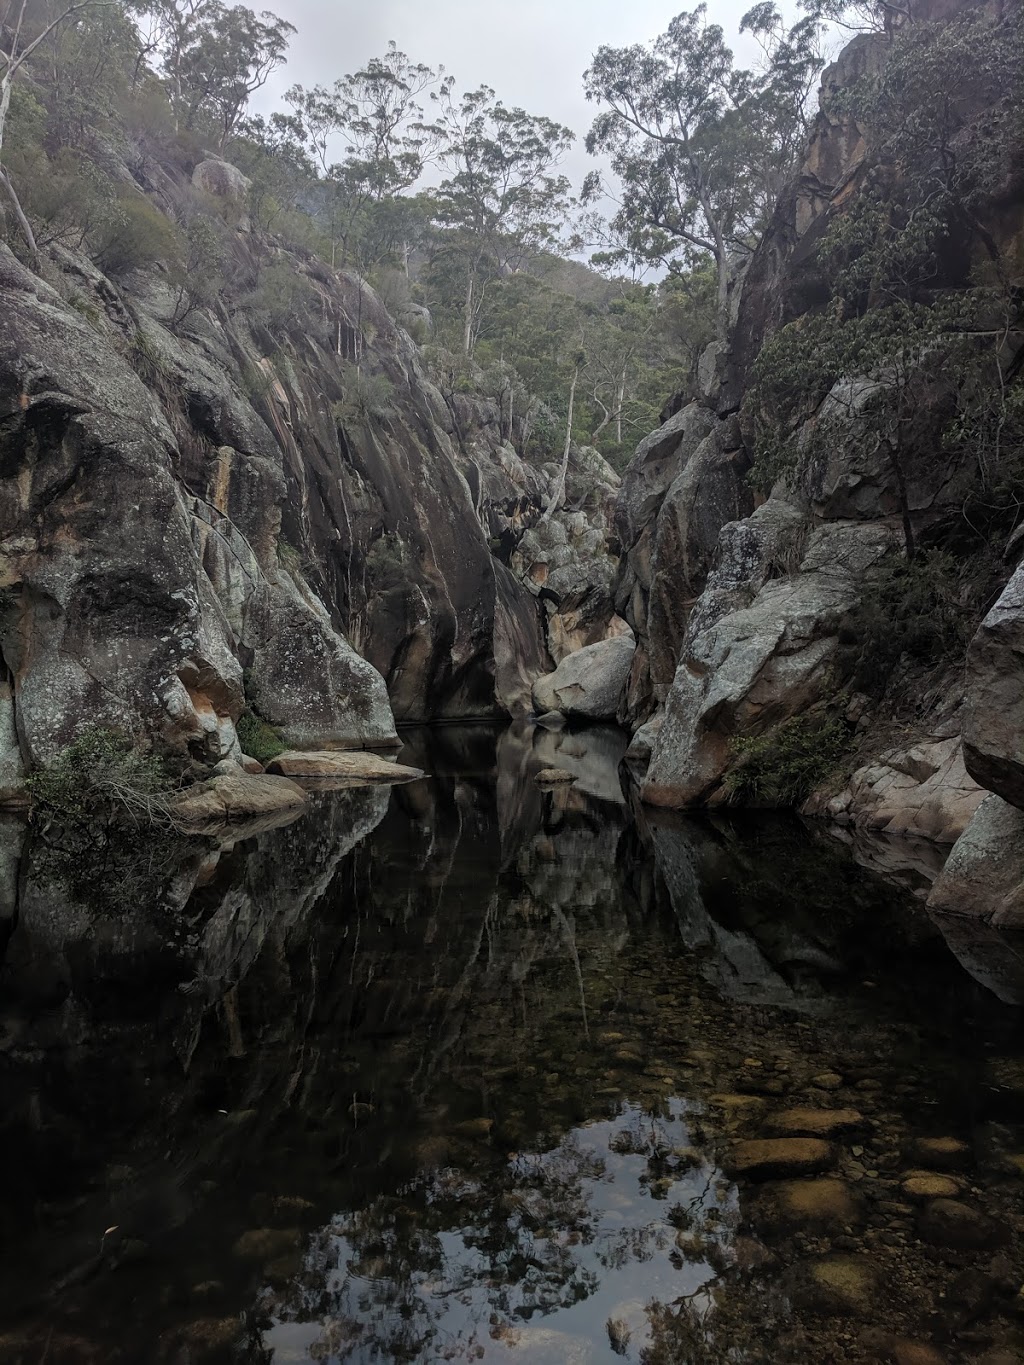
[758,649]
[827,1080]
[928,1186]
[266,1244]
[588,683]
[837,1286]
[993,722]
[549,777]
[942,1153]
[765,1158]
[896,1350]
[949,1223]
[820,1206]
[350,767]
[984,874]
[229,799]
[923,792]
[823,1123]
[551,720]
[227,183]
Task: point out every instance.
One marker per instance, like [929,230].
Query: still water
[472,1071]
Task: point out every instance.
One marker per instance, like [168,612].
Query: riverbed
[472,1070]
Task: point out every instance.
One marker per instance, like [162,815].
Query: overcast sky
[532,52]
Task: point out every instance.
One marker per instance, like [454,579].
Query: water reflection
[456,1073]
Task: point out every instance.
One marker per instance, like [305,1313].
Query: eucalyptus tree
[503,200]
[700,146]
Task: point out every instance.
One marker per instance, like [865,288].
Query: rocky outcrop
[273,505]
[994,709]
[923,792]
[758,648]
[232,798]
[984,875]
[588,683]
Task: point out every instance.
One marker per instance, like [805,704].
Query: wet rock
[765,1158]
[942,1153]
[815,1122]
[929,1186]
[821,1206]
[229,799]
[260,1245]
[947,1222]
[827,1080]
[351,766]
[549,777]
[837,1286]
[588,683]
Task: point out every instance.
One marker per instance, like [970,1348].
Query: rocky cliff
[266,504]
[756,615]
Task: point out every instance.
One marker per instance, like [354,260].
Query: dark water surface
[460,1072]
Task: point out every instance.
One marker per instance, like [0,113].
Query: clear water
[457,1072]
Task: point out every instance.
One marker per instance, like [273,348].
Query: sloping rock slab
[350,768]
[228,799]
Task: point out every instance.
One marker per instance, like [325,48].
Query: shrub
[782,767]
[135,234]
[258,738]
[102,776]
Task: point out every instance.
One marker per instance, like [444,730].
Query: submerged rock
[815,1122]
[548,777]
[763,1158]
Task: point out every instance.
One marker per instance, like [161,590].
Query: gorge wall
[751,611]
[225,509]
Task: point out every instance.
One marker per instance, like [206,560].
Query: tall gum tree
[701,147]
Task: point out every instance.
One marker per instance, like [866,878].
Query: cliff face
[748,616]
[232,508]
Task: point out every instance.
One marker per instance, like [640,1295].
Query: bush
[258,738]
[103,776]
[782,767]
[135,234]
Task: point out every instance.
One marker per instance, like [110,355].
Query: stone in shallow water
[837,1286]
[942,1153]
[927,1185]
[815,1122]
[828,1080]
[266,1244]
[947,1222]
[230,798]
[824,1205]
[763,1158]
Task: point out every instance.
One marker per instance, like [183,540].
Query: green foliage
[258,738]
[919,609]
[366,396]
[133,235]
[102,776]
[282,298]
[386,562]
[782,768]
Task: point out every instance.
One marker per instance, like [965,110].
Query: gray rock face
[685,482]
[984,874]
[993,725]
[588,683]
[125,607]
[758,650]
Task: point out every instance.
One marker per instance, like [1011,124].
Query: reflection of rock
[994,958]
[994,709]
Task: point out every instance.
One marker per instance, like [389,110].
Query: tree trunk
[620,398]
[467,322]
[556,496]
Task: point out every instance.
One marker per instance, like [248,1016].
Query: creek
[472,1070]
